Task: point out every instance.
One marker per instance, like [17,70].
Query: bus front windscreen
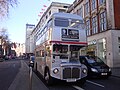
[61,22]
[60,50]
[74,53]
[77,24]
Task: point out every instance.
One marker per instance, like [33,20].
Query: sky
[26,12]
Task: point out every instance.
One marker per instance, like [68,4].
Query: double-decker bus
[58,47]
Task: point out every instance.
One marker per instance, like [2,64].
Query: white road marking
[78,88]
[95,83]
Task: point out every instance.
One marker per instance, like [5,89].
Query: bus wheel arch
[47,76]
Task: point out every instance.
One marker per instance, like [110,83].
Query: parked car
[96,67]
[1,59]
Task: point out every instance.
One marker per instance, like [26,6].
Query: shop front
[97,48]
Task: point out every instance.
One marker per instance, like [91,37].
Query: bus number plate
[71,80]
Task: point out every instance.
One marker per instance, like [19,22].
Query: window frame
[103,21]
[93,4]
[87,8]
[88,28]
[101,2]
[94,25]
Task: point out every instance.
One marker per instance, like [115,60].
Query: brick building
[103,28]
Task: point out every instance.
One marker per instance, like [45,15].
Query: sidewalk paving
[22,80]
[116,72]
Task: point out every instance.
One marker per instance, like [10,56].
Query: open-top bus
[58,47]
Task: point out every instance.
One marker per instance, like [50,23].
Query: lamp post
[1,50]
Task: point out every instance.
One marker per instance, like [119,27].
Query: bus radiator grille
[71,73]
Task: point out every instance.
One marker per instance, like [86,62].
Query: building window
[49,12]
[93,4]
[65,6]
[101,2]
[46,16]
[103,21]
[86,8]
[94,25]
[102,49]
[80,11]
[62,10]
[88,27]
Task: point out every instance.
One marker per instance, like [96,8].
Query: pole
[30,86]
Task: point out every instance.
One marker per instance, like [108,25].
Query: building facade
[19,49]
[29,38]
[102,27]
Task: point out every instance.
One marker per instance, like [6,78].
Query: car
[6,57]
[31,62]
[96,67]
[1,59]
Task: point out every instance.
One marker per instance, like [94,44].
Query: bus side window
[55,46]
[53,56]
[41,53]
[37,54]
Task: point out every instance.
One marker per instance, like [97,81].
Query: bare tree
[5,5]
[3,32]
[4,41]
[4,35]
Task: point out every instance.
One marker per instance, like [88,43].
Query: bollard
[30,86]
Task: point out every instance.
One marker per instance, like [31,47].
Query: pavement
[22,79]
[116,72]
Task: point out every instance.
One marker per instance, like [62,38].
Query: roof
[68,15]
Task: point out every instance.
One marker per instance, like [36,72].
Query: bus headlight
[84,71]
[55,71]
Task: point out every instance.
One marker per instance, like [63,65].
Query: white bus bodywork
[57,48]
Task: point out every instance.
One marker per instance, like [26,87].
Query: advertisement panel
[70,34]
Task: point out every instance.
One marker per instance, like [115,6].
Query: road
[113,83]
[105,84]
[8,71]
